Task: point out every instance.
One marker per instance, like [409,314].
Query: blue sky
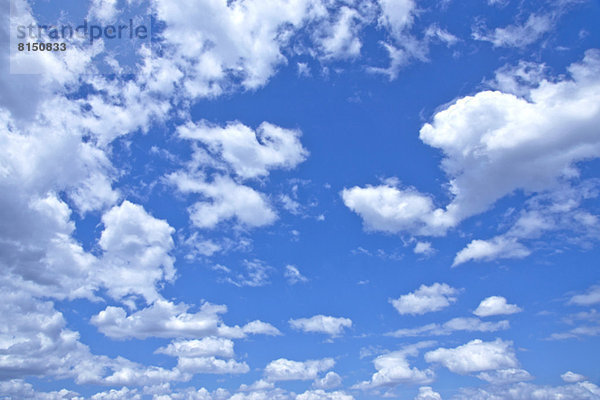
[302,200]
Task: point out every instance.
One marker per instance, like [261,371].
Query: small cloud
[290,205]
[572,377]
[592,296]
[303,69]
[424,248]
[425,299]
[496,305]
[321,324]
[329,381]
[293,275]
[256,274]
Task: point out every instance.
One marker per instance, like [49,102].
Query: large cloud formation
[495,143]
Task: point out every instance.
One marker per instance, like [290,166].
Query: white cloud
[127,373]
[27,327]
[122,394]
[246,40]
[586,323]
[36,342]
[493,144]
[291,205]
[572,377]
[104,10]
[522,391]
[211,365]
[293,275]
[323,395]
[329,381]
[497,138]
[206,347]
[229,200]
[559,210]
[341,38]
[389,208]
[19,389]
[475,356]
[435,32]
[423,248]
[393,369]
[427,393]
[200,246]
[303,69]
[136,252]
[168,320]
[425,299]
[398,58]
[258,385]
[592,296]
[498,247]
[577,332]
[256,274]
[518,79]
[518,35]
[244,153]
[250,153]
[454,325]
[322,324]
[260,328]
[288,370]
[504,376]
[495,305]
[396,15]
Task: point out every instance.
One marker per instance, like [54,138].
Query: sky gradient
[302,200]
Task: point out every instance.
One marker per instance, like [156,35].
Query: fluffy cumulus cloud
[288,370]
[234,153]
[495,305]
[423,248]
[323,395]
[329,381]
[19,389]
[341,38]
[169,320]
[427,393]
[211,365]
[426,299]
[250,153]
[322,324]
[206,347]
[59,143]
[493,144]
[246,40]
[394,369]
[391,208]
[136,252]
[475,356]
[550,110]
[227,200]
